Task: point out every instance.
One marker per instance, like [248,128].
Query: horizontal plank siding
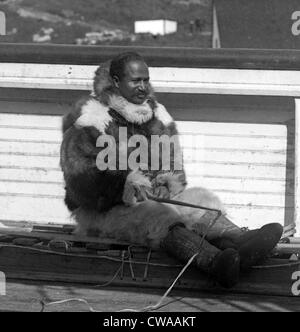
[220,155]
[254,217]
[17,161]
[239,140]
[32,189]
[164,79]
[243,185]
[245,164]
[229,196]
[30,121]
[247,171]
[30,175]
[29,148]
[33,209]
[234,142]
[30,135]
[212,182]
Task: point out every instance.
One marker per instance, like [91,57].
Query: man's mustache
[147,91]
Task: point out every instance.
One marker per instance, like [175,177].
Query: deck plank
[26,296]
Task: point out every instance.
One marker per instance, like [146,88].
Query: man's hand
[136,187]
[168,184]
[161,192]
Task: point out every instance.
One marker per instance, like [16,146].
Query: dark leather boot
[252,245]
[222,266]
[255,246]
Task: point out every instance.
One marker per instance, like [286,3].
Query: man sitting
[107,198]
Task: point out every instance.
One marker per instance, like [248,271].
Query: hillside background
[68,21]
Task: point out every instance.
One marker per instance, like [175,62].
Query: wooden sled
[53,253]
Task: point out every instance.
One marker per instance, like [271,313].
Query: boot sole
[260,246]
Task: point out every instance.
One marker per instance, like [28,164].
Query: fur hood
[104,88]
[94,110]
[105,111]
[107,94]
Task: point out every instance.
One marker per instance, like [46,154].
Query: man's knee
[201,196]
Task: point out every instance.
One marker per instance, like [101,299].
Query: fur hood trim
[133,113]
[106,92]
[94,114]
[162,115]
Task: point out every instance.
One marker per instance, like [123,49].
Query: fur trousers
[147,223]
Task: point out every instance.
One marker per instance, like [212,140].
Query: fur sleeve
[86,185]
[174,179]
[70,118]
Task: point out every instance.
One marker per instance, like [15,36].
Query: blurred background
[109,22]
[268,24]
[271,24]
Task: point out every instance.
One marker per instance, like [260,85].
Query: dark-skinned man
[113,202]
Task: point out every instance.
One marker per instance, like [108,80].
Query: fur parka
[104,112]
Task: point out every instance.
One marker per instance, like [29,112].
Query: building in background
[155,27]
[261,24]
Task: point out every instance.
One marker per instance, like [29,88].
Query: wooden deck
[26,296]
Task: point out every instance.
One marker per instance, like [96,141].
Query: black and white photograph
[149,158]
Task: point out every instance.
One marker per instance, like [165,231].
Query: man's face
[134,85]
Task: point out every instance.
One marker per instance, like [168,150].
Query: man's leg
[145,223]
[252,245]
[222,266]
[160,226]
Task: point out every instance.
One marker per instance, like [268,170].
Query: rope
[130,263]
[111,281]
[173,202]
[147,266]
[66,244]
[263,267]
[160,302]
[150,308]
[4,245]
[44,305]
[123,264]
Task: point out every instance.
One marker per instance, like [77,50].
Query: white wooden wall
[245,164]
[31,182]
